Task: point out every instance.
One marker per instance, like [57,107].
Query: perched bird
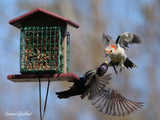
[89,85]
[94,85]
[116,50]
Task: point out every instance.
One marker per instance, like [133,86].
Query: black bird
[90,84]
[94,85]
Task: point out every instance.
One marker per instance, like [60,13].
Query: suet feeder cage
[41,50]
[44,45]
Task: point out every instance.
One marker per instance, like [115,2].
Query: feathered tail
[128,63]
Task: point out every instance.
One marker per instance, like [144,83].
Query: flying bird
[94,85]
[89,85]
[116,50]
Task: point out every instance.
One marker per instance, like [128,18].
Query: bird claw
[122,68]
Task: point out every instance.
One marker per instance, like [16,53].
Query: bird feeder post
[44,46]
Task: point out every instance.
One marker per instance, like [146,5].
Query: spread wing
[127,38]
[107,39]
[110,102]
[95,85]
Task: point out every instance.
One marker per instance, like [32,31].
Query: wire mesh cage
[41,50]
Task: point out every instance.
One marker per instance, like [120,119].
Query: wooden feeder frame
[43,77]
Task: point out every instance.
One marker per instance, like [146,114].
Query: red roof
[21,20]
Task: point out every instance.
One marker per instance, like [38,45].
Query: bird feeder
[44,46]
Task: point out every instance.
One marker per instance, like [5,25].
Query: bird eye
[111,50]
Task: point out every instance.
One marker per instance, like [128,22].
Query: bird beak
[107,53]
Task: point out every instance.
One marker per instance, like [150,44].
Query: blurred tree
[150,13]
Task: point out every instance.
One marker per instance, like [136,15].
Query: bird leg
[122,64]
[114,65]
[115,69]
